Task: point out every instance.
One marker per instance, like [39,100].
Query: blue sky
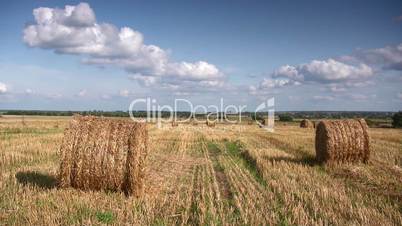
[309,55]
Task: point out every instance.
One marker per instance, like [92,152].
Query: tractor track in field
[221,177]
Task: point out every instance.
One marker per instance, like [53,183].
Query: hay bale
[210,123]
[104,154]
[305,123]
[342,141]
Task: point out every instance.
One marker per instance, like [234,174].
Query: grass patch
[243,158]
[105,217]
[82,213]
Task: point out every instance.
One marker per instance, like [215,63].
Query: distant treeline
[94,113]
[337,114]
[68,113]
[292,114]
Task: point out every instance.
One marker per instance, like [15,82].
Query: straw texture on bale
[342,141]
[305,123]
[104,154]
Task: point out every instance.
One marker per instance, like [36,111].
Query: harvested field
[199,175]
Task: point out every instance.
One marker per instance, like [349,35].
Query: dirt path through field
[220,175]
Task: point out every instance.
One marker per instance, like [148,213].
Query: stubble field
[197,175]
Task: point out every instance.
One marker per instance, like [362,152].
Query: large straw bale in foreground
[342,141]
[104,154]
[305,123]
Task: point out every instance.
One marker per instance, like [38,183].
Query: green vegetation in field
[285,118]
[105,217]
[397,120]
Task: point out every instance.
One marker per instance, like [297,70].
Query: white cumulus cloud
[388,57]
[29,91]
[212,83]
[145,80]
[289,72]
[359,69]
[75,30]
[332,70]
[273,83]
[3,88]
[336,75]
[82,93]
[124,93]
[270,84]
[325,98]
[324,71]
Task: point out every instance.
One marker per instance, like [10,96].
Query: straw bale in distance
[104,154]
[342,141]
[210,123]
[305,123]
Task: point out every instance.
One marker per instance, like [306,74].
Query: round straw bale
[210,123]
[103,154]
[305,123]
[342,141]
